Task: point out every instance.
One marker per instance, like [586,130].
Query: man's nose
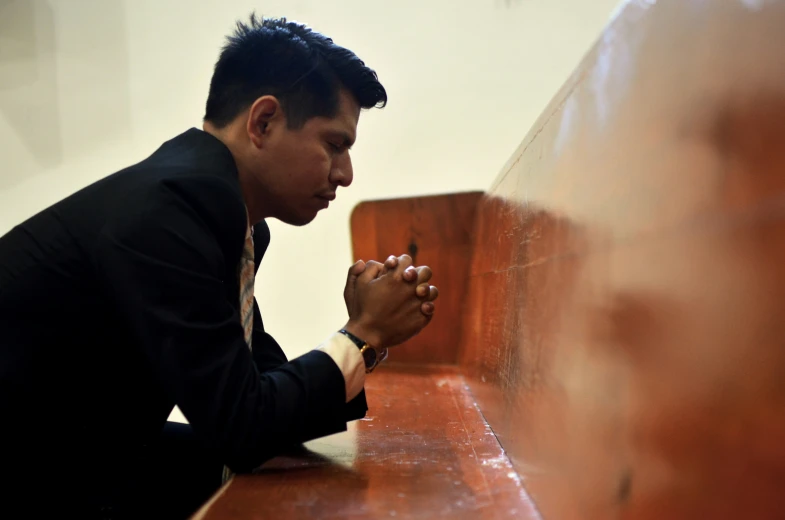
[342,173]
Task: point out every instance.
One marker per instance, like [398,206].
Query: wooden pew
[609,339]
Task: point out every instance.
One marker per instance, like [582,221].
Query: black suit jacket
[122,300]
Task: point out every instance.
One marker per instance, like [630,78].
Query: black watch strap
[371,355]
[357,341]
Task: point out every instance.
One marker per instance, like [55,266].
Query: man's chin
[298,220]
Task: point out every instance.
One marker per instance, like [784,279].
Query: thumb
[351,280]
[371,271]
[356,269]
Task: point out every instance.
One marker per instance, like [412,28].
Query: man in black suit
[135,294]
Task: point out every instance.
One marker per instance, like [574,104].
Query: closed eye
[339,141]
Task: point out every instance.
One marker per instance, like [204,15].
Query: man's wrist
[371,355]
[361,332]
[358,342]
[349,361]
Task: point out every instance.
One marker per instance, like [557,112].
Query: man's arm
[164,271]
[268,355]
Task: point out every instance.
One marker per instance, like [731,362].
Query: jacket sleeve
[162,267]
[268,355]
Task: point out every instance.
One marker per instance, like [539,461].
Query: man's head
[286,101]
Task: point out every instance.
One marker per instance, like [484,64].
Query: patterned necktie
[245,280]
[245,274]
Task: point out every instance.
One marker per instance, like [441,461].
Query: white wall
[90,86]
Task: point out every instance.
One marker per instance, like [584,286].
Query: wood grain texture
[626,338]
[423,452]
[436,231]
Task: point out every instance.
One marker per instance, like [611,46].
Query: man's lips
[325,199]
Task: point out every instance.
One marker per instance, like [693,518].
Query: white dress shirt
[349,360]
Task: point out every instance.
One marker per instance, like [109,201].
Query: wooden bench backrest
[435,231]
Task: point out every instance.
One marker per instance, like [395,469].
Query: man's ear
[264,112]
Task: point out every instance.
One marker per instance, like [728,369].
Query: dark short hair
[305,70]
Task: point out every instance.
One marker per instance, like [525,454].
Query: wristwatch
[371,355]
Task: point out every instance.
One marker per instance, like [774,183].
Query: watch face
[370,356]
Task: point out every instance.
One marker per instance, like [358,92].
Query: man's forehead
[348,107]
[345,121]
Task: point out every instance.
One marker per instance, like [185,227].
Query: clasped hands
[389,303]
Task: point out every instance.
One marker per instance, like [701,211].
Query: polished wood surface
[436,231]
[626,332]
[424,451]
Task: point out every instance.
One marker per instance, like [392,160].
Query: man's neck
[226,136]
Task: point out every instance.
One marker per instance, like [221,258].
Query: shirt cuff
[349,360]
